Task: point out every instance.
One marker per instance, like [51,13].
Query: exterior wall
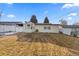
[77,29]
[1,28]
[66,30]
[28,29]
[19,29]
[10,28]
[6,28]
[53,29]
[32,28]
[40,28]
[77,32]
[69,30]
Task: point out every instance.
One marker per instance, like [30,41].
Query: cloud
[72,14]
[10,3]
[69,5]
[69,18]
[10,16]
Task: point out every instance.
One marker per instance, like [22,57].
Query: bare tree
[63,22]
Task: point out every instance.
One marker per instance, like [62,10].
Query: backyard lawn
[39,44]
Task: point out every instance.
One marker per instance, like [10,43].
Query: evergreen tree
[33,19]
[46,20]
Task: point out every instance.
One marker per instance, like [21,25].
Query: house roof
[70,26]
[9,23]
[47,24]
[15,23]
[64,26]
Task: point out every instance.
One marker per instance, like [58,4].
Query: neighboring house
[71,30]
[8,27]
[13,27]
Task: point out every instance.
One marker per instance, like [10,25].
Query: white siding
[53,29]
[77,29]
[19,29]
[78,32]
[66,31]
[27,29]
[5,28]
[1,28]
[69,30]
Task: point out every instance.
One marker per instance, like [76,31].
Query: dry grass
[44,44]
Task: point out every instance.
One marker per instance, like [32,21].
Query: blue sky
[54,12]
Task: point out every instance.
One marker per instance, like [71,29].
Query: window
[28,25]
[20,25]
[44,27]
[49,28]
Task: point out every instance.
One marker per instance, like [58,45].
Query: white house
[10,27]
[40,27]
[70,29]
[14,27]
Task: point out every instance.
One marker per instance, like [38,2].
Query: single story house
[14,27]
[10,27]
